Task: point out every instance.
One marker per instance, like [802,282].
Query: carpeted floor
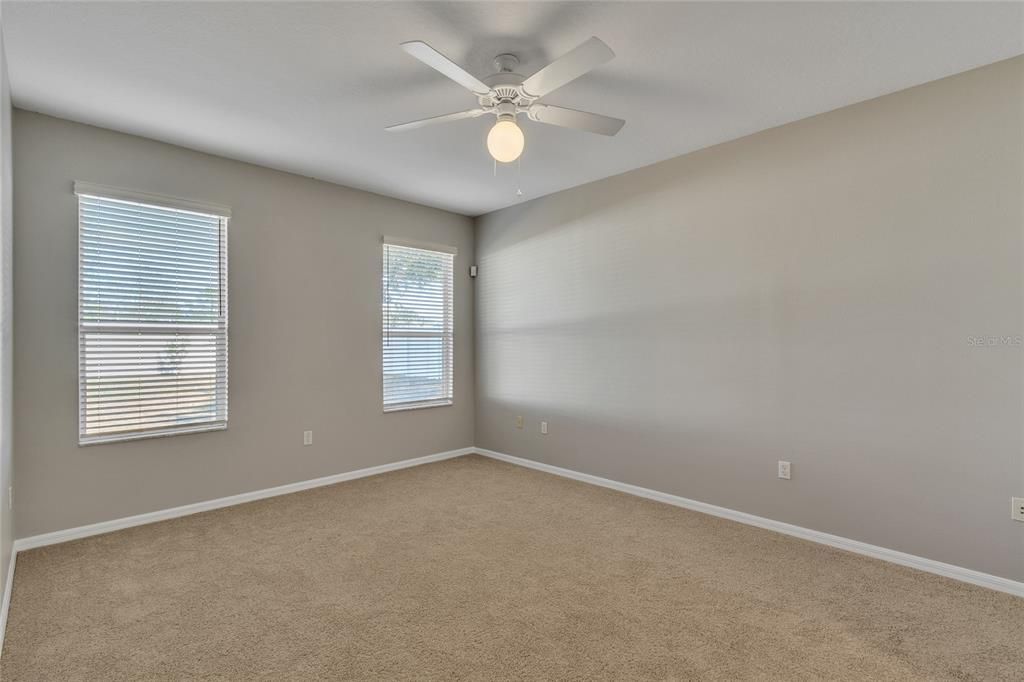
[472,568]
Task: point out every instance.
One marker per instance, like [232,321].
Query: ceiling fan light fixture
[506,94]
[505,142]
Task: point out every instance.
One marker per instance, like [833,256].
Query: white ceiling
[309,87]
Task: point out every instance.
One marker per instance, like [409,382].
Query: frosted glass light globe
[505,142]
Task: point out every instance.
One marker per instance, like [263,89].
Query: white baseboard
[929,565]
[5,605]
[22,544]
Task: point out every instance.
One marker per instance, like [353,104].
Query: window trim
[419,405]
[449,302]
[414,244]
[159,201]
[163,200]
[86,441]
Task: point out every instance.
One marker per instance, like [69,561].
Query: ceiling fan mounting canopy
[506,63]
[506,93]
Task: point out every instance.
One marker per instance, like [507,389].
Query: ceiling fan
[506,94]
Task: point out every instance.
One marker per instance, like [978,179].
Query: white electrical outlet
[307,437]
[544,428]
[784,469]
[1018,509]
[519,422]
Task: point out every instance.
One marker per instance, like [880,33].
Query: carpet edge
[5,605]
[102,527]
[967,575]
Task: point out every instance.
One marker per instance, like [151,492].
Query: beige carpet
[472,568]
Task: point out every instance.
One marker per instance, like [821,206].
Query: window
[152,316]
[418,329]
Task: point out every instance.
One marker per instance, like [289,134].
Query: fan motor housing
[508,88]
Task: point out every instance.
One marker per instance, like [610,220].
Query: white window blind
[418,326]
[152,319]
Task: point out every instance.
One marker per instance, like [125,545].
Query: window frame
[148,199]
[447,338]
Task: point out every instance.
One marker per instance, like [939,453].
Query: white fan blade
[568,67]
[434,59]
[571,118]
[457,116]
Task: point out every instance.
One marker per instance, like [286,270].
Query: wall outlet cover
[307,437]
[1018,509]
[784,469]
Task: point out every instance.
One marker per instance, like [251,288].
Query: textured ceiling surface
[309,87]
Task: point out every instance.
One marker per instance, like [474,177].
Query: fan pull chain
[519,177]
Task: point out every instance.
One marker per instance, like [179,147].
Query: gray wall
[304,291]
[809,293]
[6,321]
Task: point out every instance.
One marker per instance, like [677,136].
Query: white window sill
[402,407]
[84,441]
